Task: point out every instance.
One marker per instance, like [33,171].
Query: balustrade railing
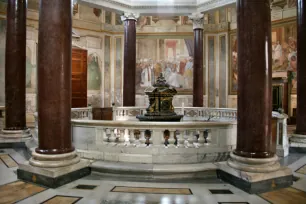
[81,113]
[190,113]
[168,134]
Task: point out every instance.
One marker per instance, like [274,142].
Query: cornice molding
[185,7]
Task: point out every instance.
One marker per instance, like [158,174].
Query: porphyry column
[129,75]
[198,23]
[253,165]
[15,71]
[55,149]
[299,138]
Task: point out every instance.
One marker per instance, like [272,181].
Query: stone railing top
[153,125]
[2,108]
[81,109]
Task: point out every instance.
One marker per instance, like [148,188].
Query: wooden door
[79,78]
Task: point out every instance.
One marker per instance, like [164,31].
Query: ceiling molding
[158,7]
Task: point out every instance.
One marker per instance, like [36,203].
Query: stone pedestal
[53,177]
[298,140]
[255,183]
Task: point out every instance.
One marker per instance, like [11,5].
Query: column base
[15,134]
[54,160]
[298,143]
[53,177]
[255,175]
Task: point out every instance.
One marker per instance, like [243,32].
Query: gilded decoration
[160,102]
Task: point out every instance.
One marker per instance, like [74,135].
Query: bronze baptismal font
[160,98]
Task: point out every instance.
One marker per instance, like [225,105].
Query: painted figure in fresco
[188,73]
[146,74]
[94,73]
[174,78]
[235,65]
[277,52]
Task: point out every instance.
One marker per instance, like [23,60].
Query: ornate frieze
[198,20]
[222,27]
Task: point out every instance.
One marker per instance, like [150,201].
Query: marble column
[54,82]
[253,165]
[299,138]
[129,76]
[198,24]
[15,71]
[55,161]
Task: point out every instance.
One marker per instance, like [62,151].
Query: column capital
[198,20]
[129,16]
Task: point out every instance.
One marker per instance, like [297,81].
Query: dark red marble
[54,77]
[198,69]
[129,63]
[254,139]
[15,65]
[301,68]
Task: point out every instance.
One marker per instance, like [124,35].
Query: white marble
[54,172]
[254,177]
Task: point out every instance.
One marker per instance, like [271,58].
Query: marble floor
[97,189]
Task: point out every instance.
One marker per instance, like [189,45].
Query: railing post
[201,139]
[105,136]
[121,139]
[142,139]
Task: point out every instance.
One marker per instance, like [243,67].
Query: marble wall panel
[107,71]
[211,71]
[222,72]
[118,71]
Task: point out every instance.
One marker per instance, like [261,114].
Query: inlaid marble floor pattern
[96,189]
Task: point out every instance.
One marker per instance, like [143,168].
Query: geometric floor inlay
[285,196]
[8,161]
[220,191]
[301,170]
[59,199]
[126,189]
[18,190]
[85,187]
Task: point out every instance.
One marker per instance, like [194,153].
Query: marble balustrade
[81,113]
[190,113]
[154,142]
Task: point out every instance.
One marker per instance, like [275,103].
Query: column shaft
[198,68]
[301,68]
[254,138]
[15,65]
[129,62]
[54,77]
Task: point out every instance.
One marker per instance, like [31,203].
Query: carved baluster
[105,136]
[171,139]
[190,139]
[121,138]
[201,139]
[180,139]
[112,138]
[142,139]
[132,138]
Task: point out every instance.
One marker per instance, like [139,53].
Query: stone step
[154,171]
